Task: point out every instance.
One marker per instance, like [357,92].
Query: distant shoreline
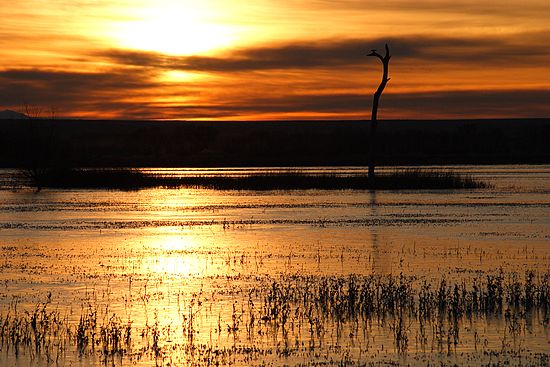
[127,143]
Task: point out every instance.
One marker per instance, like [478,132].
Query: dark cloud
[469,104]
[127,90]
[99,94]
[445,104]
[529,49]
[49,87]
[294,56]
[531,9]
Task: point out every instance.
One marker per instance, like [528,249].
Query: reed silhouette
[134,179]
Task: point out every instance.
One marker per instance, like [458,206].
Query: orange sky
[275,59]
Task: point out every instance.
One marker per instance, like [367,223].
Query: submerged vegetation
[306,319]
[285,180]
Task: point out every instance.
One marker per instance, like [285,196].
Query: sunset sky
[275,59]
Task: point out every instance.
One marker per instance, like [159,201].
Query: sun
[174,28]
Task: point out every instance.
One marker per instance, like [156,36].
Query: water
[197,266]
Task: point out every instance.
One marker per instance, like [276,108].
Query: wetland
[201,277]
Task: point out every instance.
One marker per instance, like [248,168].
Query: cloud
[528,49]
[76,80]
[48,87]
[119,94]
[317,78]
[487,8]
[469,104]
[291,56]
[445,104]
[441,104]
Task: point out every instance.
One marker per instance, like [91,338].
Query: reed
[133,179]
[330,311]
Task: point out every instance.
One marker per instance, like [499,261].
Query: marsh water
[201,277]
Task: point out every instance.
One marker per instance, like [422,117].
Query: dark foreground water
[204,277]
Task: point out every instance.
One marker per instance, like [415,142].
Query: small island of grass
[133,179]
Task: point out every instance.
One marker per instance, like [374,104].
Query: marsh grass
[132,179]
[301,316]
[125,179]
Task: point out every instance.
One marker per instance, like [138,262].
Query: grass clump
[131,179]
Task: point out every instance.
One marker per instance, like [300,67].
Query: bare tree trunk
[376,100]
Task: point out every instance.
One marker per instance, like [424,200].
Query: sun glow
[175,28]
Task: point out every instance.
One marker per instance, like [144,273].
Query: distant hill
[12,115]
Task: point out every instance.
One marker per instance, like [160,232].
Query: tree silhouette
[374,122]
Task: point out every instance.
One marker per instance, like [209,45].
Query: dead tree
[374,122]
